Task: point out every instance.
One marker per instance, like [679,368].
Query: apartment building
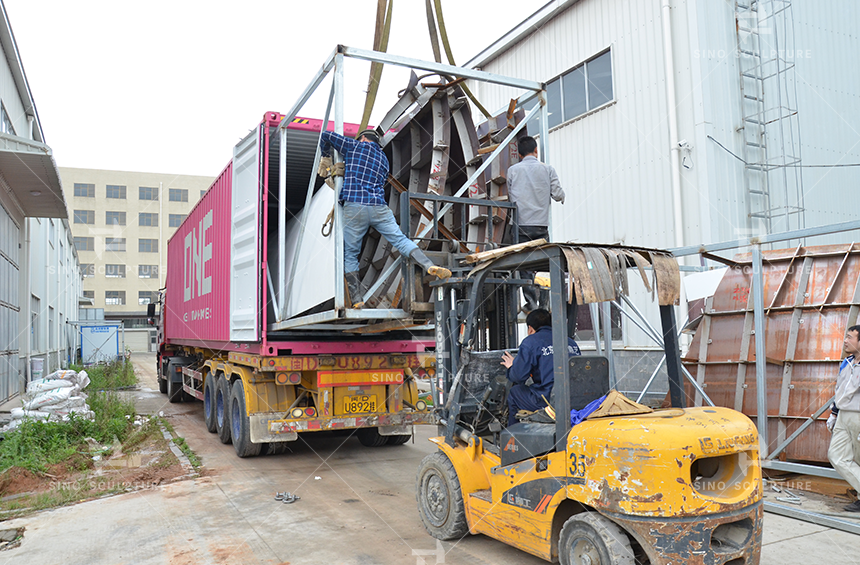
[121,222]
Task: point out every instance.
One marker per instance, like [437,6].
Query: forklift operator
[533,361]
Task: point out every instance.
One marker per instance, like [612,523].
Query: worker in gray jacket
[531,184]
[844,420]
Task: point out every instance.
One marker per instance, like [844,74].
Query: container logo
[198,252]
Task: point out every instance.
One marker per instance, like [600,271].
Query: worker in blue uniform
[533,362]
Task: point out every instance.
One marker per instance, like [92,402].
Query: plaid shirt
[366,169]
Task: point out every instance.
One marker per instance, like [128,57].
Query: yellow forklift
[670,486]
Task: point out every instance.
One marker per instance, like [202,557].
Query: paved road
[357,508]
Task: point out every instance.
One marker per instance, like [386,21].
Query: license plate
[359,404]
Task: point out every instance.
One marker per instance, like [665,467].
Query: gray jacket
[848,385]
[530,186]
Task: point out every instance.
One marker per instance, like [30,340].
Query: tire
[440,500]
[222,408]
[162,385]
[369,437]
[593,539]
[209,402]
[240,424]
[397,440]
[174,390]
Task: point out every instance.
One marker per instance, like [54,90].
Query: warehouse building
[682,122]
[40,282]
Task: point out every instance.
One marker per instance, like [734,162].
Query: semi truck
[260,385]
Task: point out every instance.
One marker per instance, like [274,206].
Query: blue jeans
[521,397]
[357,219]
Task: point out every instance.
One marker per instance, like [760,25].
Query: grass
[183,445]
[112,376]
[37,445]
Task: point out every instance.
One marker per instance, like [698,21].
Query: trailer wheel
[222,408]
[209,402]
[440,500]
[240,424]
[369,437]
[397,440]
[174,390]
[592,539]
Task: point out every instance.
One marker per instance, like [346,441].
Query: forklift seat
[589,380]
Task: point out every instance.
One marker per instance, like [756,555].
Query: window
[179,195]
[147,245]
[580,89]
[115,191]
[84,244]
[85,216]
[148,193]
[115,218]
[147,271]
[145,297]
[175,220]
[115,244]
[5,123]
[85,190]
[148,219]
[202,192]
[115,271]
[114,298]
[88,270]
[90,294]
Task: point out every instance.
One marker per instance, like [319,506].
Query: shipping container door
[245,240]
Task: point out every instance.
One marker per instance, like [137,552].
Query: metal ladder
[770,129]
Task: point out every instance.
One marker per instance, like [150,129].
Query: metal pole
[560,358]
[282,226]
[338,210]
[544,155]
[308,197]
[674,368]
[595,326]
[607,340]
[760,351]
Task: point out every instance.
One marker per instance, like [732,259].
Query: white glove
[831,422]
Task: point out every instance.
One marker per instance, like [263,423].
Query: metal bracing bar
[606,319]
[305,210]
[442,69]
[484,166]
[660,342]
[648,330]
[382,278]
[760,351]
[809,421]
[801,469]
[309,91]
[272,292]
[651,379]
[836,277]
[764,239]
[813,517]
[337,231]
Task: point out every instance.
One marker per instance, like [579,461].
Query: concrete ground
[357,507]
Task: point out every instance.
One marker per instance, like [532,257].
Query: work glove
[328,170]
[831,422]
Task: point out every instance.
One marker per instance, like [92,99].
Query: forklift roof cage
[579,274]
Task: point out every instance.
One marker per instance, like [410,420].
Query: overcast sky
[171,86]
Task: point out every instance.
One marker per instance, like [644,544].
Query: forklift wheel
[440,500]
[590,538]
[369,437]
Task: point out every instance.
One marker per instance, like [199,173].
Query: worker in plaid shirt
[364,205]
